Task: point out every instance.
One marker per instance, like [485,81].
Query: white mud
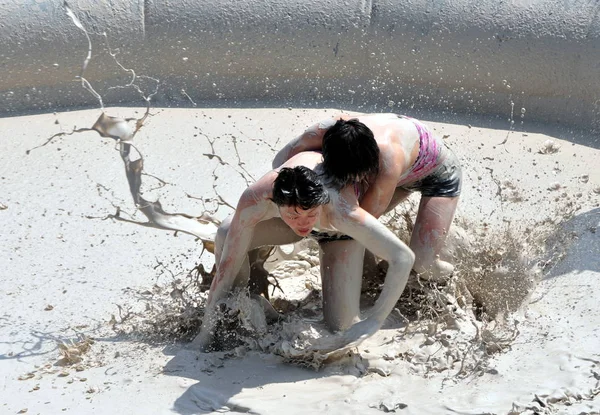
[514,329]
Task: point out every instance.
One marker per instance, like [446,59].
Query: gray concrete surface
[462,56]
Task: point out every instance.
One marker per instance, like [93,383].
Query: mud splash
[452,327]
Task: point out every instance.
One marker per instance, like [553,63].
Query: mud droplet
[549,147]
[26,376]
[554,186]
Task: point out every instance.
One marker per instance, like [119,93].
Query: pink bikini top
[429,155]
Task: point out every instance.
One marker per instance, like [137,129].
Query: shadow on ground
[220,377]
[581,238]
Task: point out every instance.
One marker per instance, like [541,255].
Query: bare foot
[352,337]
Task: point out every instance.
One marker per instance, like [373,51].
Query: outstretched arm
[385,244]
[252,208]
[309,140]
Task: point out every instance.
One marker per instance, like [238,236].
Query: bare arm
[252,208]
[384,243]
[247,214]
[309,140]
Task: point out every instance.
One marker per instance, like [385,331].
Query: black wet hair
[349,151]
[299,186]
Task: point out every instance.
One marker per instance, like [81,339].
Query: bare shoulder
[256,201]
[392,153]
[342,205]
[351,220]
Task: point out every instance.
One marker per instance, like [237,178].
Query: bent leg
[259,283]
[341,275]
[269,232]
[400,195]
[429,235]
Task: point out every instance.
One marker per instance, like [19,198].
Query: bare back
[261,192]
[397,138]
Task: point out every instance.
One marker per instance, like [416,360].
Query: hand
[204,339]
[352,337]
[360,331]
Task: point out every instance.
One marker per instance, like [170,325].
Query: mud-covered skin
[444,181]
[412,159]
[257,222]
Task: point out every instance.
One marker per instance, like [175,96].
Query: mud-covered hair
[299,186]
[349,151]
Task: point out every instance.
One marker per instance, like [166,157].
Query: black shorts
[444,181]
[324,237]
